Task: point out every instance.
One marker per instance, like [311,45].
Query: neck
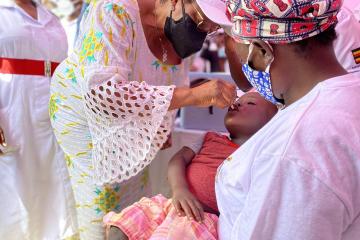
[240,140]
[153,16]
[315,68]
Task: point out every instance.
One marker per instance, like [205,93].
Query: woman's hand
[216,93]
[186,203]
[2,140]
[168,143]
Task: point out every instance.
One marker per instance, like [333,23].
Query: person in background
[69,23]
[192,211]
[297,178]
[209,53]
[68,11]
[84,6]
[197,63]
[220,43]
[113,100]
[36,196]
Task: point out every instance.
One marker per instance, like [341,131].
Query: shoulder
[326,140]
[334,112]
[115,16]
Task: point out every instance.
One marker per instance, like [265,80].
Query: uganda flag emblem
[356,55]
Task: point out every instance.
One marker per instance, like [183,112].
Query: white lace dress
[109,110]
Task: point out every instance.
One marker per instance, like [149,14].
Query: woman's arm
[129,119]
[232,53]
[184,201]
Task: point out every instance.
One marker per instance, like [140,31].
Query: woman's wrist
[182,97]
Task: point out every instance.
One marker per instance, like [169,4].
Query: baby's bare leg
[114,233]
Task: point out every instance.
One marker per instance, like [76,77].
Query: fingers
[196,210]
[168,143]
[170,140]
[191,208]
[226,94]
[2,141]
[217,93]
[187,209]
[165,145]
[201,210]
[2,138]
[178,208]
[229,92]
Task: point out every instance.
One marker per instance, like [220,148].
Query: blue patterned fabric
[261,82]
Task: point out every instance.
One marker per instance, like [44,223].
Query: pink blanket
[156,219]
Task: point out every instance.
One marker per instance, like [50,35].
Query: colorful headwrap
[281,21]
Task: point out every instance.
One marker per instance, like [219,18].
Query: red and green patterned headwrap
[281,21]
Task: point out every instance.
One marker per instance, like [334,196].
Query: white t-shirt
[298,177]
[354,6]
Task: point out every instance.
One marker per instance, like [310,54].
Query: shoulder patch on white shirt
[356,55]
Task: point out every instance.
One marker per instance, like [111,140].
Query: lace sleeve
[129,121]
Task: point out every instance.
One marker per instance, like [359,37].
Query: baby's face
[248,114]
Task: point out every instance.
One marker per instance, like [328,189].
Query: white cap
[348,40]
[215,10]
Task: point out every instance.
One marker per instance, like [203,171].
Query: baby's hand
[186,203]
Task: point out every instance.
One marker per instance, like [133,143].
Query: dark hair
[325,38]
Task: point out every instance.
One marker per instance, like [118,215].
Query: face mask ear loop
[279,105]
[171,12]
[251,48]
[268,66]
[267,69]
[183,7]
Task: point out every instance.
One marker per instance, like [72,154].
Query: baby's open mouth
[234,108]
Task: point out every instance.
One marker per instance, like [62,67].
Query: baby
[192,212]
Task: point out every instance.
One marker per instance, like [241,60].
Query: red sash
[27,67]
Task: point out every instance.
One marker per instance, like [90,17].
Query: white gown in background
[36,198]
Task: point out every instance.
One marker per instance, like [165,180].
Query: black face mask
[184,34]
